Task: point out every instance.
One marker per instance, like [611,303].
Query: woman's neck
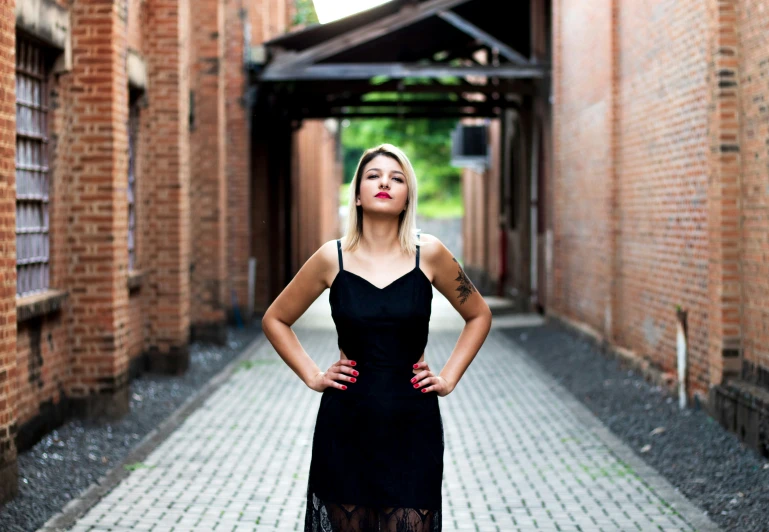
[380,236]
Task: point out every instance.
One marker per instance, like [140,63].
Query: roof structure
[409,58]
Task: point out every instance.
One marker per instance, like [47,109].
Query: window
[32,175]
[133,124]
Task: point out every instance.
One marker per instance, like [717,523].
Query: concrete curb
[79,506]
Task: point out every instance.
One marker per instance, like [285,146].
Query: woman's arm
[450,280]
[293,301]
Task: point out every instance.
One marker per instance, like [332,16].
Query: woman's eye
[398,179]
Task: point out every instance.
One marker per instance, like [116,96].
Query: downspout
[682,351]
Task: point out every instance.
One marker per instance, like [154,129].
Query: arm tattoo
[465,286]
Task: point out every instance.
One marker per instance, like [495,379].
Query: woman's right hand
[341,370]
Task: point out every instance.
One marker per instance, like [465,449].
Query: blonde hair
[407,230]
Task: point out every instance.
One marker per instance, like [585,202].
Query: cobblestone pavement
[521,454]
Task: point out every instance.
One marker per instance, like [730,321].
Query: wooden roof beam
[474,31]
[335,71]
[408,15]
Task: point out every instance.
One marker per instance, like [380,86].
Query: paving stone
[518,455]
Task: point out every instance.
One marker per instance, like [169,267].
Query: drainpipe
[681,345]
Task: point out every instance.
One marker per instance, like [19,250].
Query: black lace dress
[377,452]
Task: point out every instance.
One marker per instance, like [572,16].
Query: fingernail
[416,386]
[424,390]
[352,379]
[416,365]
[344,387]
[414,379]
[355,373]
[352,362]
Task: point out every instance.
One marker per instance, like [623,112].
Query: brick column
[724,276]
[167,186]
[238,161]
[97,247]
[208,199]
[8,468]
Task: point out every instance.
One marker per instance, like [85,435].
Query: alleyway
[520,453]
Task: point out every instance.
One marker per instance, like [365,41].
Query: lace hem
[324,516]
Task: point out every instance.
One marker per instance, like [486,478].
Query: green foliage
[427,143]
[305,13]
[137,465]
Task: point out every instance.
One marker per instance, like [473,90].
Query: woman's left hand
[429,382]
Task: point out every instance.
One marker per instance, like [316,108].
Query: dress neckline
[380,288]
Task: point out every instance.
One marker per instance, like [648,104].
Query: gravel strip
[68,460]
[708,464]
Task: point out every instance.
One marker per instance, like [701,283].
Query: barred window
[133,124]
[32,176]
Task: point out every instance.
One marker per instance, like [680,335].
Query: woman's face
[383,187]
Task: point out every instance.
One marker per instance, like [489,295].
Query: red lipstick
[383,195]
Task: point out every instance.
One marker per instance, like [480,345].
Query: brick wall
[238,157]
[662,180]
[208,192]
[135,23]
[583,176]
[317,176]
[97,215]
[753,20]
[8,392]
[167,43]
[73,348]
[267,19]
[631,175]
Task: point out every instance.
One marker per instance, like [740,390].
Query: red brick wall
[8,371]
[43,350]
[166,52]
[582,178]
[238,159]
[43,369]
[630,189]
[208,201]
[662,182]
[317,176]
[249,204]
[97,215]
[135,23]
[753,21]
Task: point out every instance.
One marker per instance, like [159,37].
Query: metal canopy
[409,58]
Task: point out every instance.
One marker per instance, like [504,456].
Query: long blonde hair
[407,230]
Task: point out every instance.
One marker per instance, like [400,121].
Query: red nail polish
[355,373]
[416,386]
[416,365]
[352,379]
[414,379]
[352,362]
[424,390]
[344,387]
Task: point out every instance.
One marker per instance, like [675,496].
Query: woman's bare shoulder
[431,244]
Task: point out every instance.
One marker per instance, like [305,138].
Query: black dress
[377,451]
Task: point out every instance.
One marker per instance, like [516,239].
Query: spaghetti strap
[418,250]
[339,250]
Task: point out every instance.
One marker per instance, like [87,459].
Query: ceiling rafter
[403,18]
[474,31]
[332,71]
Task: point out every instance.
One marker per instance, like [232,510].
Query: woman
[377,454]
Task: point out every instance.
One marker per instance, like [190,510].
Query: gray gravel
[66,461]
[708,464]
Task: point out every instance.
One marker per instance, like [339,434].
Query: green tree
[427,143]
[305,13]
